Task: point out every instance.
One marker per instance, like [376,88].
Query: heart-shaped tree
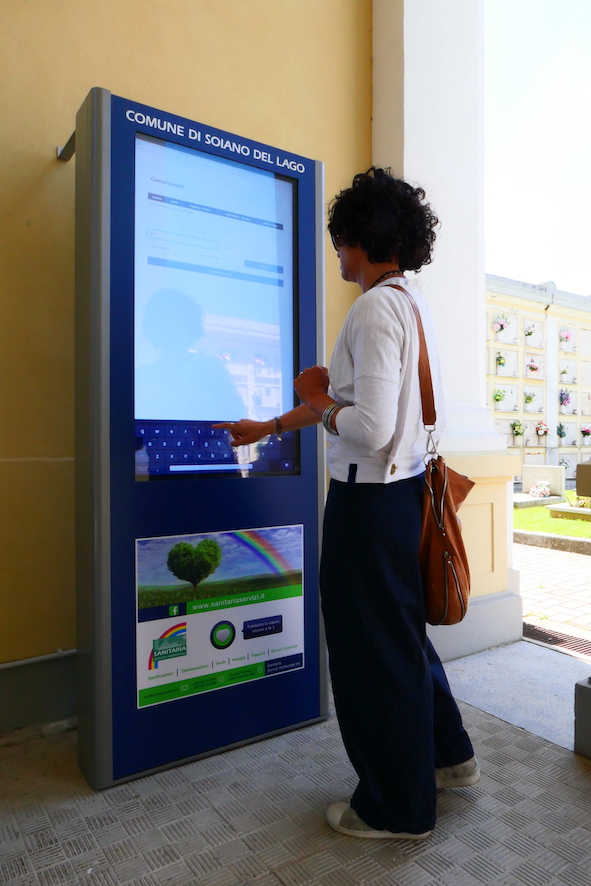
[193,563]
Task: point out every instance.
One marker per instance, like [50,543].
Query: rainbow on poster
[263,549]
[175,631]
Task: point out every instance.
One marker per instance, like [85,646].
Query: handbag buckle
[431,446]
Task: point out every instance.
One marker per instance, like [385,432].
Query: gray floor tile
[256,815]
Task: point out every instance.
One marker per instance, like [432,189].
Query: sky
[237,559]
[538,141]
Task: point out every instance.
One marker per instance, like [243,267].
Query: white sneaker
[345,820]
[460,776]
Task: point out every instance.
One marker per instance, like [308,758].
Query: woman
[400,725]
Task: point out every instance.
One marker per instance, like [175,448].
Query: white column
[428,126]
[428,54]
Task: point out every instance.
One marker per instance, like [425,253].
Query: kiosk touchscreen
[199,299]
[215,294]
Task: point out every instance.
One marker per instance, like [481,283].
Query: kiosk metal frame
[118,741]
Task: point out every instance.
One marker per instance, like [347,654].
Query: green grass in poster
[167,595]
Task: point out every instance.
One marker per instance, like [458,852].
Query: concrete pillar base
[493,620]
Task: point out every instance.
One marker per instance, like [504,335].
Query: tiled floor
[556,588]
[255,816]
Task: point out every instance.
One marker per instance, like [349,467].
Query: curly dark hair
[386,217]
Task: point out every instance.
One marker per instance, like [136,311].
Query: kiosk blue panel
[199,298]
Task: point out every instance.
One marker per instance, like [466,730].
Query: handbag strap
[425,381]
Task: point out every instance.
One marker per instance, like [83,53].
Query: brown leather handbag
[442,555]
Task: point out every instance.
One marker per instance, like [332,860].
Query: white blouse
[374,372]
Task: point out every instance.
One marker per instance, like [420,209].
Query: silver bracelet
[326,417]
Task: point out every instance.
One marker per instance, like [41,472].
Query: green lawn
[539,520]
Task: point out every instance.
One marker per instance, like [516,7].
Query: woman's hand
[311,383]
[246,430]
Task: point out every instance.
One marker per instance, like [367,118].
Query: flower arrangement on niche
[564,396]
[564,371]
[529,396]
[517,428]
[500,359]
[532,365]
[541,489]
[565,334]
[529,330]
[561,430]
[585,430]
[542,429]
[498,395]
[501,322]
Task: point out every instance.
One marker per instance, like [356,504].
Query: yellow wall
[484,517]
[293,73]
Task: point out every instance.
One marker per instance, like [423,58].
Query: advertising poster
[217,609]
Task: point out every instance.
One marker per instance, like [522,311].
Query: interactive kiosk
[198,299]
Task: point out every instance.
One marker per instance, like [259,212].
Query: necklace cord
[385,275]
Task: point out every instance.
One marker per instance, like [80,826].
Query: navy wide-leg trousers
[397,716]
